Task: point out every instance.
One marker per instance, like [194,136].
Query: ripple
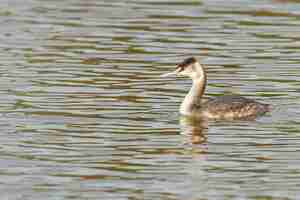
[85,114]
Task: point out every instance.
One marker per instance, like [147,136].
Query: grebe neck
[193,98]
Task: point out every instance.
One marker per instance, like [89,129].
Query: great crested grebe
[223,107]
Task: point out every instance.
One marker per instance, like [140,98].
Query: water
[85,115]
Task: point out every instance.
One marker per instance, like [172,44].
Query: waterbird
[222,107]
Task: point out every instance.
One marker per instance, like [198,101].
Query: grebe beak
[171,73]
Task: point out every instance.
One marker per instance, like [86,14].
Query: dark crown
[187,62]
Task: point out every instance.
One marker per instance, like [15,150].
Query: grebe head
[189,67]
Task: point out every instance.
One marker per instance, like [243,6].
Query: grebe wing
[228,103]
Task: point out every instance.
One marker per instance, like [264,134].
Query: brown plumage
[231,107]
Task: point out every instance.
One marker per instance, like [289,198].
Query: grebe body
[223,107]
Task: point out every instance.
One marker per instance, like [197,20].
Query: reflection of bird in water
[195,129]
[223,107]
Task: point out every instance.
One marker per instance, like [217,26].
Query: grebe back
[223,107]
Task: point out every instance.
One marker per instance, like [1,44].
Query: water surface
[85,115]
